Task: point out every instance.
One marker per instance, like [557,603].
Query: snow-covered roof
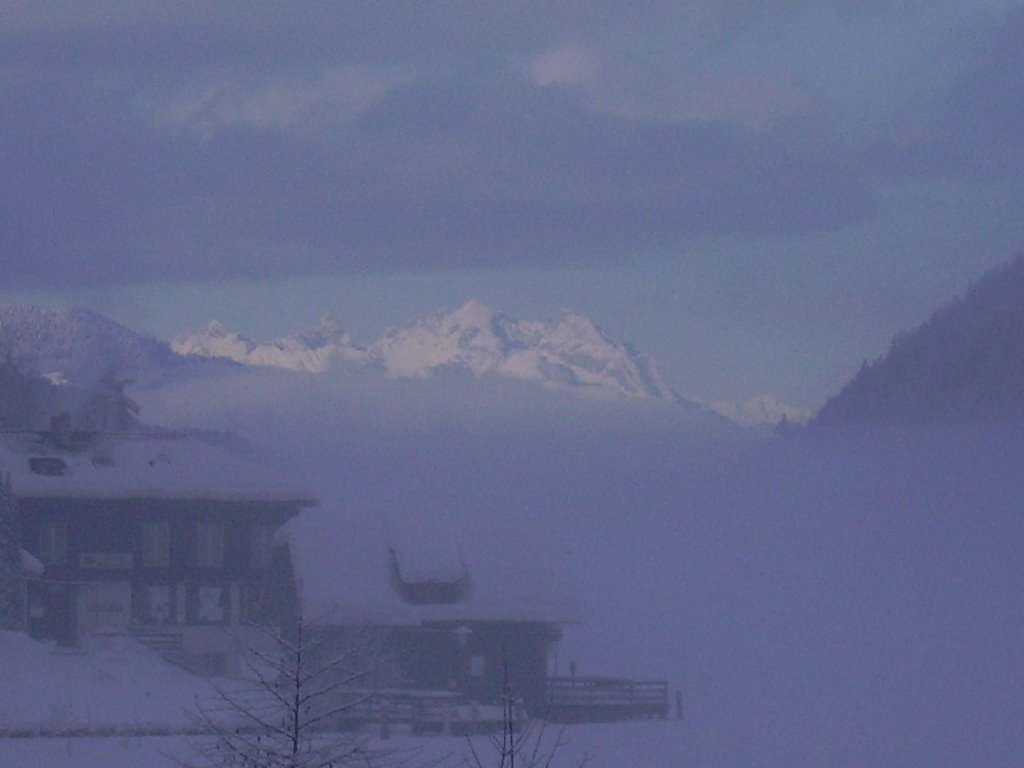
[347,575]
[139,465]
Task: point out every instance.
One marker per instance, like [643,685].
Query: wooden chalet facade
[443,628]
[174,542]
[459,611]
[465,661]
[160,537]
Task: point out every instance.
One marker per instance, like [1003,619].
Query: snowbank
[115,683]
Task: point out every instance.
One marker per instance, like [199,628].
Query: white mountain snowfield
[760,410]
[566,353]
[311,352]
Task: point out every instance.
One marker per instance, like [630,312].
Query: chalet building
[183,546]
[439,621]
[163,537]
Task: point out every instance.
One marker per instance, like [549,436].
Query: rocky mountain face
[312,351]
[966,363]
[76,353]
[567,353]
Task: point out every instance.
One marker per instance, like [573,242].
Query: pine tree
[109,409]
[20,396]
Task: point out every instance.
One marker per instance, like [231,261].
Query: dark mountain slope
[965,364]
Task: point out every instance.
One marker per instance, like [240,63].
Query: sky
[758,195]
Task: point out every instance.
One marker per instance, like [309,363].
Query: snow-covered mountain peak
[474,324]
[577,325]
[760,411]
[573,331]
[472,314]
[214,341]
[329,331]
[473,337]
[311,350]
[566,353]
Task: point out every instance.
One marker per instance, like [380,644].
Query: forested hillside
[965,363]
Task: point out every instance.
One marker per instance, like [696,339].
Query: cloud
[566,65]
[985,107]
[620,86]
[968,128]
[756,99]
[329,99]
[222,142]
[431,173]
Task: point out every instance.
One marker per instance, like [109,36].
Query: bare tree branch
[299,685]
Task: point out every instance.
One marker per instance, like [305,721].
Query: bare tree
[291,714]
[522,742]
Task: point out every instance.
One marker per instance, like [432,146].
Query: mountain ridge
[966,362]
[310,351]
[75,344]
[78,348]
[566,353]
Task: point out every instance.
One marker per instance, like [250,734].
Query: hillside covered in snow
[77,346]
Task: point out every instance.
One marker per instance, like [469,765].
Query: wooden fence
[603,699]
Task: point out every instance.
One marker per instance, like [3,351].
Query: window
[156,545]
[476,666]
[210,545]
[261,546]
[159,605]
[49,466]
[251,603]
[210,605]
[53,543]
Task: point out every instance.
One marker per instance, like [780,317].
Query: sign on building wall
[106,561]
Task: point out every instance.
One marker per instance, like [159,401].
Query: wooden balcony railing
[601,699]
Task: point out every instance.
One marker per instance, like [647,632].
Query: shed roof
[347,574]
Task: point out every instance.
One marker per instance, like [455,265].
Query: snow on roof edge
[140,466]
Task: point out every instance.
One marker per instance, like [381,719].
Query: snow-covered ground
[115,683]
[119,684]
[654,744]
